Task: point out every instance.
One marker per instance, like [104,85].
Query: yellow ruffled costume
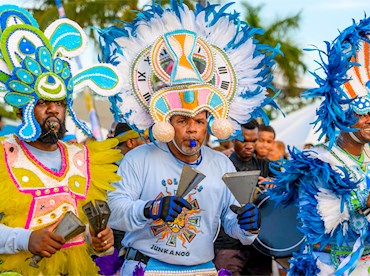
[87,173]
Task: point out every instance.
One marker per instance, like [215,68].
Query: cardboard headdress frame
[183,62]
[345,85]
[36,65]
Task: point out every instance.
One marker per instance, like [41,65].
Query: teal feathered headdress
[36,65]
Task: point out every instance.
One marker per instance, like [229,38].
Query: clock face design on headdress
[180,61]
[177,59]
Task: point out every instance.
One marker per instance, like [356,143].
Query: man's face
[244,150]
[363,125]
[264,143]
[133,143]
[189,128]
[51,117]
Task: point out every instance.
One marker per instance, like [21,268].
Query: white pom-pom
[222,128]
[163,131]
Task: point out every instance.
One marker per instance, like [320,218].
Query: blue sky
[321,20]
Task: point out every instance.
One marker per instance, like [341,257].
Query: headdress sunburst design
[358,87]
[35,65]
[183,62]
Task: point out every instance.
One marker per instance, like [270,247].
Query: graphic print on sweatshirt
[186,226]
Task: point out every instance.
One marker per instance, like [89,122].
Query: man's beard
[48,136]
[188,151]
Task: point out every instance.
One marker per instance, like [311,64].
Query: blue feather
[303,264]
[298,179]
[335,62]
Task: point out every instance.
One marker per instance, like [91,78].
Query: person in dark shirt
[230,253]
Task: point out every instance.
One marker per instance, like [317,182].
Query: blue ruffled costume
[329,186]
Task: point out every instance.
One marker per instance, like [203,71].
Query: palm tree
[102,13]
[290,64]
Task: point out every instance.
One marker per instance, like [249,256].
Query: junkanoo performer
[331,181]
[186,72]
[42,178]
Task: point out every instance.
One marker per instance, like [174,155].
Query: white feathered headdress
[178,61]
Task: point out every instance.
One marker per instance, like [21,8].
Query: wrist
[22,239]
[147,209]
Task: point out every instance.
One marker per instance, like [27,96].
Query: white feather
[328,206]
[325,270]
[220,34]
[241,108]
[138,115]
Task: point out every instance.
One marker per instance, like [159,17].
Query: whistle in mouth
[193,144]
[52,125]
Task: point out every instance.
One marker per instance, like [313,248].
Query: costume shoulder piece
[36,65]
[319,165]
[310,179]
[183,62]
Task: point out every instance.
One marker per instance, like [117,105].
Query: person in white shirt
[190,72]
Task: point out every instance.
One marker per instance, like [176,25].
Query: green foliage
[87,13]
[5,113]
[290,65]
[101,13]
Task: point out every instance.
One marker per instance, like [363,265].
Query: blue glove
[167,208]
[249,218]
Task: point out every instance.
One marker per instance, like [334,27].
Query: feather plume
[336,110]
[252,62]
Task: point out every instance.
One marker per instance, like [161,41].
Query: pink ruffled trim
[88,174]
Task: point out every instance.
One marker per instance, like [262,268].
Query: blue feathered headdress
[345,85]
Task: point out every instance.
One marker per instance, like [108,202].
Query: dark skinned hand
[44,242]
[103,240]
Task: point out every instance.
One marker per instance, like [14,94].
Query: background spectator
[266,136]
[230,253]
[128,140]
